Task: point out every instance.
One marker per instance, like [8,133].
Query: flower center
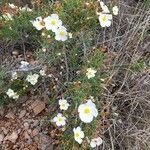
[77,135]
[104,18]
[53,22]
[63,105]
[59,119]
[90,72]
[86,110]
[62,33]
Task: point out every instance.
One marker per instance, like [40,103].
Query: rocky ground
[23,127]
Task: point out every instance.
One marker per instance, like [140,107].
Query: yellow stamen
[104,18]
[62,33]
[53,22]
[87,110]
[59,119]
[77,135]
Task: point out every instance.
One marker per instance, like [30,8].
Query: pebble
[26,126]
[19,130]
[1,138]
[26,135]
[13,137]
[10,116]
[37,106]
[4,130]
[36,122]
[22,114]
[35,132]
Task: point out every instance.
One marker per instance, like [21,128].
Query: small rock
[13,137]
[19,130]
[45,142]
[26,135]
[27,114]
[26,125]
[28,120]
[4,130]
[10,116]
[35,123]
[15,52]
[38,106]
[35,132]
[29,131]
[36,139]
[22,114]
[1,138]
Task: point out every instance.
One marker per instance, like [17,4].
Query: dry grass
[127,92]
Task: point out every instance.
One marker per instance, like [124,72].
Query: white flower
[7,16]
[115,10]
[24,64]
[48,36]
[38,23]
[90,73]
[32,78]
[44,49]
[78,134]
[104,7]
[70,35]
[52,22]
[61,34]
[12,6]
[96,142]
[105,19]
[63,104]
[60,120]
[42,73]
[14,76]
[43,34]
[87,111]
[12,94]
[26,8]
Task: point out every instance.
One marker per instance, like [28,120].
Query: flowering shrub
[87,111]
[49,25]
[105,17]
[54,24]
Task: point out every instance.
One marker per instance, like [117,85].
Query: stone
[16,53]
[18,131]
[13,137]
[26,135]
[35,123]
[26,126]
[38,106]
[10,116]
[45,142]
[4,130]
[22,114]
[35,132]
[1,138]
[29,131]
